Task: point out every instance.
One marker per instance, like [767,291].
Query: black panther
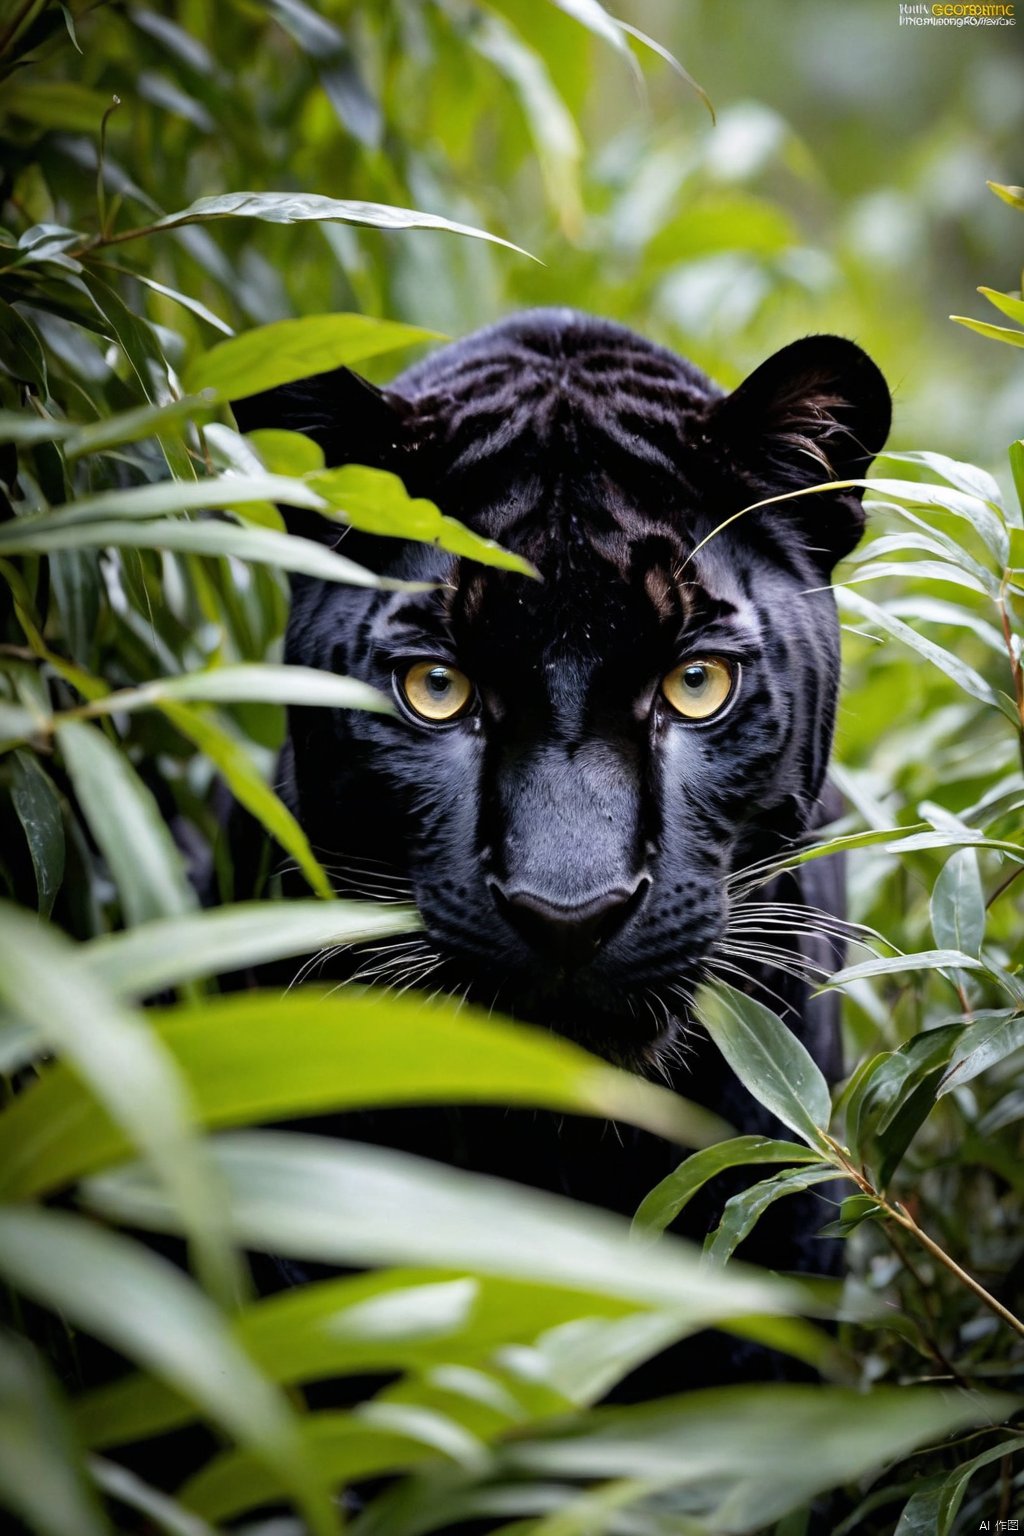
[586,773]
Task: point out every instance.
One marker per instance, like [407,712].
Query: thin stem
[903,1216]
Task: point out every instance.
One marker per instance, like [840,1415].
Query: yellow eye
[700,687]
[435,691]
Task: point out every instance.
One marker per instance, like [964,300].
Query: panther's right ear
[352,420]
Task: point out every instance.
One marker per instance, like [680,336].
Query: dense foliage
[174,174]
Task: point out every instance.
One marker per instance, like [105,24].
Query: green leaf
[176,950]
[983,1044]
[263,1057]
[248,682]
[23,356]
[262,546]
[895,965]
[743,1210]
[962,674]
[958,904]
[160,499]
[667,1199]
[247,784]
[768,1059]
[734,1445]
[300,207]
[42,1476]
[146,866]
[161,1511]
[1008,304]
[287,350]
[285,453]
[345,1203]
[1017,470]
[993,332]
[149,1311]
[1012,195]
[38,809]
[395,1320]
[376,501]
[123,1066]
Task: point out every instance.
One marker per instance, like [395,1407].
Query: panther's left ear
[818,410]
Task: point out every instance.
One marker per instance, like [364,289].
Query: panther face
[579,766]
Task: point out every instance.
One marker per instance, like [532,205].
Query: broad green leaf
[981,1045]
[172,951]
[743,1210]
[284,453]
[895,965]
[376,501]
[262,1057]
[287,350]
[38,809]
[301,207]
[768,1059]
[23,355]
[42,1475]
[122,1065]
[262,546]
[392,1320]
[127,824]
[958,904]
[734,1445]
[345,1203]
[667,1199]
[248,682]
[235,765]
[148,1310]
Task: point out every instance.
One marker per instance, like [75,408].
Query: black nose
[569,936]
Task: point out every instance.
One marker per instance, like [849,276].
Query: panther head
[580,766]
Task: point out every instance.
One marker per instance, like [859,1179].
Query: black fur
[571,790]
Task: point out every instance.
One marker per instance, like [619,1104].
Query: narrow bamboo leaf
[981,1046]
[768,1059]
[42,1475]
[958,904]
[307,1196]
[129,427]
[176,950]
[263,1057]
[262,546]
[147,1309]
[247,784]
[737,1443]
[248,682]
[299,207]
[38,809]
[146,866]
[951,1494]
[124,1067]
[895,965]
[993,332]
[162,498]
[287,350]
[962,674]
[186,300]
[160,1510]
[667,1199]
[743,1211]
[966,477]
[593,16]
[923,570]
[376,501]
